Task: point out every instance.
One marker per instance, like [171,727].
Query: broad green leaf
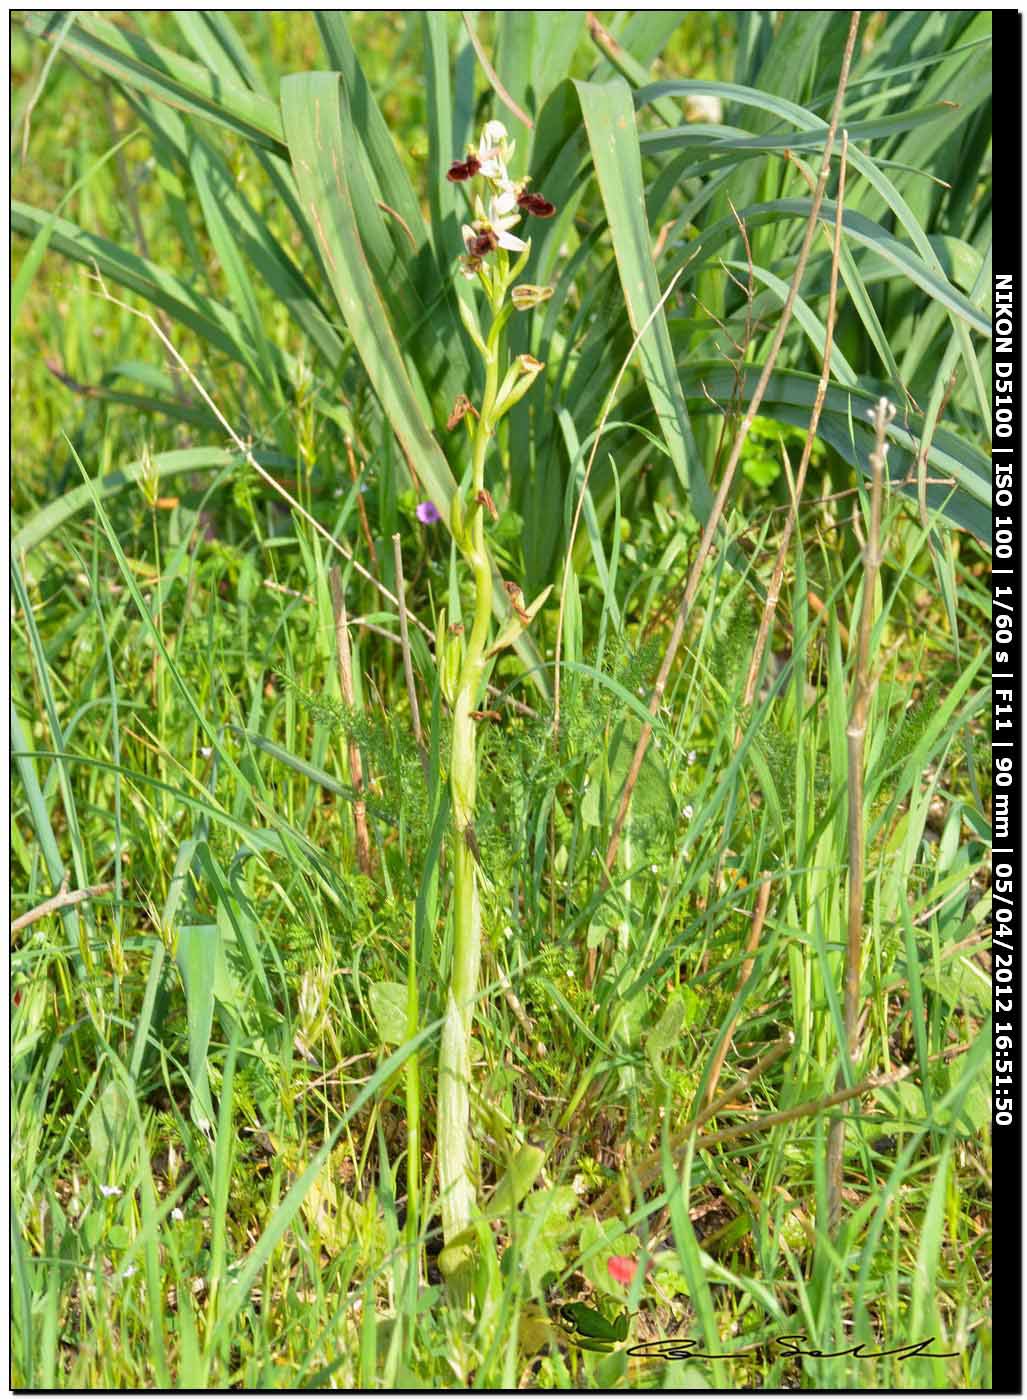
[128,57]
[389,1009]
[109,1121]
[610,121]
[312,107]
[845,425]
[197,955]
[516,1181]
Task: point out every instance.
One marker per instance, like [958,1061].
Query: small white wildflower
[110,1191]
[691,757]
[687,812]
[128,1271]
[205,752]
[655,869]
[177,1213]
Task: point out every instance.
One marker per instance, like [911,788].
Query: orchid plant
[494,256]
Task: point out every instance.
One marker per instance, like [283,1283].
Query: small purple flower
[427,513]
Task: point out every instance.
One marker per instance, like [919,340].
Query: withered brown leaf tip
[461,407]
[517,601]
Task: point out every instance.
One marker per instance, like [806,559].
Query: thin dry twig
[774,591]
[646,1174]
[755,929]
[356,766]
[856,732]
[63,899]
[812,1106]
[493,76]
[408,664]
[705,544]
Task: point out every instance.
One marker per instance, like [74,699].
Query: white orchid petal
[493,133]
[511,241]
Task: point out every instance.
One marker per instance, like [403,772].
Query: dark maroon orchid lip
[484,243]
[463,169]
[537,205]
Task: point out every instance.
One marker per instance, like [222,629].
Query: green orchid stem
[457,1195]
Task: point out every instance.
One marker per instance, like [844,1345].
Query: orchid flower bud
[525,296]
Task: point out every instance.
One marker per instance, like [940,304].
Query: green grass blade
[610,121]
[312,109]
[219,327]
[37,249]
[190,459]
[128,57]
[238,1292]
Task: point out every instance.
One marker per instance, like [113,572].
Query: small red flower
[621,1268]
[463,169]
[536,204]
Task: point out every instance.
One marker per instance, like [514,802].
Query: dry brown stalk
[63,899]
[645,1175]
[774,591]
[538,1047]
[811,1106]
[648,1173]
[856,731]
[755,929]
[356,766]
[692,587]
[493,76]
